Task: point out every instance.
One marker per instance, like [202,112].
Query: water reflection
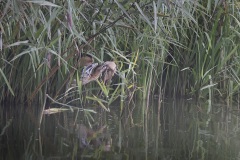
[171,130]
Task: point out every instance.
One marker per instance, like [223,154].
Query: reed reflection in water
[170,130]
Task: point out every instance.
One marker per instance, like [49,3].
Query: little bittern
[92,72]
[86,60]
[109,71]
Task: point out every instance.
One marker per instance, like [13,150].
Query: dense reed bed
[171,48]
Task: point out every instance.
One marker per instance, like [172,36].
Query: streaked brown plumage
[109,72]
[86,60]
[92,71]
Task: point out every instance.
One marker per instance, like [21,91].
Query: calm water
[170,131]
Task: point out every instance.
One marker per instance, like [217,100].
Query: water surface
[171,130]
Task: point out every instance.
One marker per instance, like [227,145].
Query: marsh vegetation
[84,57]
[165,48]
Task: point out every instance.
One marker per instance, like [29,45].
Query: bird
[92,72]
[86,60]
[109,71]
